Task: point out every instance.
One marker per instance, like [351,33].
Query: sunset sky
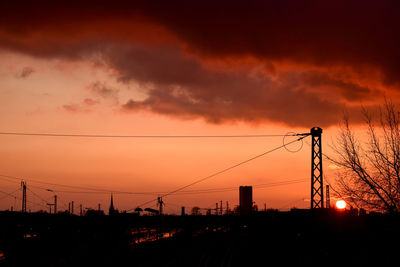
[183,68]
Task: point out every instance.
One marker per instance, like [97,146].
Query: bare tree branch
[370,171]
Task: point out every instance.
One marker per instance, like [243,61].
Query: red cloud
[311,56]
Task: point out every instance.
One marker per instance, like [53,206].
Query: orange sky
[182,69]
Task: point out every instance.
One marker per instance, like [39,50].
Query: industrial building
[245,200]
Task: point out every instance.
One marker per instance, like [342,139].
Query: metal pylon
[317,191]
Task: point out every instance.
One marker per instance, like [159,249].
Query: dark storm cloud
[320,34]
[316,32]
[351,91]
[299,109]
[183,87]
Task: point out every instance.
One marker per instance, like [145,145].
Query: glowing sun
[341,204]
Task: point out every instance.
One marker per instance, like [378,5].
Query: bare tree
[369,174]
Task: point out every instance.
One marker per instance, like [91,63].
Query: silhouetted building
[112,210]
[245,200]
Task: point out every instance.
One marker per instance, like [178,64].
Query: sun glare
[341,204]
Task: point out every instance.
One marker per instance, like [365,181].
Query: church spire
[111,210]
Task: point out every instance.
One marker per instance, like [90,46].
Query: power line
[9,194]
[14,196]
[228,189]
[36,203]
[44,200]
[230,168]
[142,193]
[10,180]
[129,136]
[72,186]
[107,191]
[225,170]
[185,192]
[140,136]
[261,186]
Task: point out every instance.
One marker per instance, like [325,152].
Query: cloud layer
[292,62]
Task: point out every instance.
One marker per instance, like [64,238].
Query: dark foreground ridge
[323,237]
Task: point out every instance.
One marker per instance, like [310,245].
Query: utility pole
[328,198]
[55,204]
[69,208]
[160,205]
[216,208]
[23,184]
[220,207]
[317,189]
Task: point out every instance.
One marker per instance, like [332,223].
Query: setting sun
[341,204]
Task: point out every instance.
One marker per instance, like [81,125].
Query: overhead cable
[138,136]
[224,170]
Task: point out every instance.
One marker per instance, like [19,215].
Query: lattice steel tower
[317,189]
